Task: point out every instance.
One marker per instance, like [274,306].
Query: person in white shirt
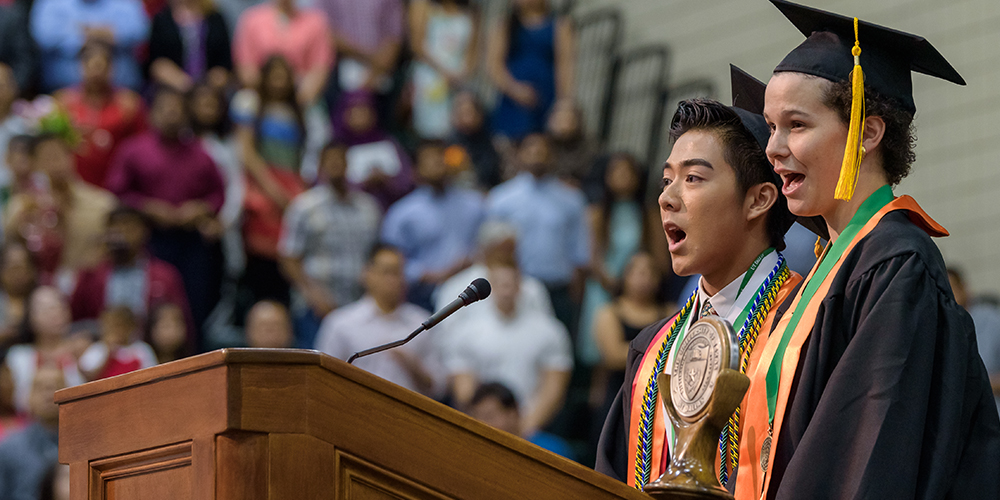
[382,316]
[522,348]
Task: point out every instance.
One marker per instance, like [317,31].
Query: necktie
[707,309]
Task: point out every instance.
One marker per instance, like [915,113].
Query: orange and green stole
[650,433]
[770,384]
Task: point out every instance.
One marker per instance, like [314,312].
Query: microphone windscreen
[480,289]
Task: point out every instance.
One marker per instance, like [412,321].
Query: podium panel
[258,424]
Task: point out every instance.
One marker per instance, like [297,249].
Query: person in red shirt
[102,114]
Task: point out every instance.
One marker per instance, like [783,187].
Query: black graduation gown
[891,398]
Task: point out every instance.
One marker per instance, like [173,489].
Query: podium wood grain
[252,424]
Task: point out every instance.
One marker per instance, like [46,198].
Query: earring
[863,151]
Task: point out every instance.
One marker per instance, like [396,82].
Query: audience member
[327,234]
[382,316]
[375,161]
[189,42]
[166,174]
[62,27]
[435,226]
[300,36]
[617,323]
[27,456]
[573,152]
[269,326]
[168,332]
[523,349]
[495,405]
[621,226]
[18,52]
[18,277]
[472,134]
[63,223]
[102,114]
[129,276]
[47,342]
[210,122]
[986,318]
[553,234]
[55,486]
[119,350]
[19,176]
[443,36]
[11,125]
[369,37]
[530,58]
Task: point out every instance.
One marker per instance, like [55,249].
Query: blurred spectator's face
[531,4]
[501,251]
[206,110]
[563,121]
[48,379]
[279,82]
[534,154]
[269,327]
[621,179]
[506,283]
[360,118]
[116,329]
[168,115]
[19,159]
[54,159]
[95,66]
[334,164]
[126,238]
[431,167]
[18,273]
[169,330]
[642,278]
[384,278]
[50,316]
[465,116]
[492,413]
[8,87]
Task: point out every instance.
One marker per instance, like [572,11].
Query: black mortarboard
[887,55]
[748,103]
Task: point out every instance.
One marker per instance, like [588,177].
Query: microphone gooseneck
[478,290]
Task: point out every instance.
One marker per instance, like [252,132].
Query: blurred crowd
[179,176]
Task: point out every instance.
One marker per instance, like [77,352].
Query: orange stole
[750,482]
[661,449]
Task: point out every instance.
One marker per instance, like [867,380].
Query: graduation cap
[837,47]
[748,103]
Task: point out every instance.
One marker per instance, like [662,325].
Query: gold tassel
[852,152]
[818,249]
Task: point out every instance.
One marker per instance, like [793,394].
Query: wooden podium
[249,424]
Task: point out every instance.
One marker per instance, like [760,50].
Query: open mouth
[791,181]
[675,235]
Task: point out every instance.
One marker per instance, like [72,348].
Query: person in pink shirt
[302,36]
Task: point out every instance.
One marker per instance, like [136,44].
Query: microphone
[478,290]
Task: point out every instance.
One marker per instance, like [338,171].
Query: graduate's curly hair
[742,152]
[899,138]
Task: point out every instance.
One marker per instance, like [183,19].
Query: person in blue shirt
[435,226]
[551,218]
[495,405]
[61,27]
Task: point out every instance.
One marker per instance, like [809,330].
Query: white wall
[957,174]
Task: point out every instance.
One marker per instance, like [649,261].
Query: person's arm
[244,53]
[166,72]
[415,368]
[565,59]
[546,402]
[320,300]
[599,271]
[496,67]
[611,343]
[320,60]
